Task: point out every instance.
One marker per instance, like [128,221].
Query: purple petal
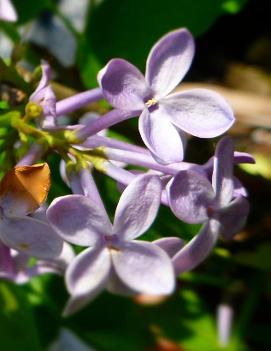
[45,78]
[233,217]
[191,196]
[193,253]
[123,85]
[200,112]
[170,245]
[31,236]
[144,267]
[239,189]
[243,157]
[222,179]
[7,11]
[78,219]
[138,206]
[86,277]
[45,97]
[225,314]
[88,270]
[76,303]
[169,60]
[161,137]
[116,286]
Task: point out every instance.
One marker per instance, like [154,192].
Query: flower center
[151,102]
[112,242]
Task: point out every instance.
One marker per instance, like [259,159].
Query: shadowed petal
[117,286]
[78,219]
[144,267]
[169,60]
[123,85]
[233,217]
[138,206]
[170,244]
[31,236]
[222,179]
[200,112]
[190,196]
[161,137]
[193,253]
[86,276]
[77,302]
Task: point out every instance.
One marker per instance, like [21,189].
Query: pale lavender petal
[161,137]
[78,219]
[45,97]
[31,236]
[239,189]
[191,197]
[77,302]
[222,179]
[233,217]
[117,286]
[171,245]
[88,271]
[39,269]
[224,323]
[137,207]
[169,60]
[200,112]
[66,256]
[7,11]
[144,267]
[124,85]
[45,78]
[243,157]
[193,253]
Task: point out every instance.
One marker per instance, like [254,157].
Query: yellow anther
[24,247]
[151,102]
[33,110]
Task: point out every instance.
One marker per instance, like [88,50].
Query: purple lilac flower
[165,117]
[18,229]
[7,11]
[194,199]
[14,265]
[45,98]
[114,260]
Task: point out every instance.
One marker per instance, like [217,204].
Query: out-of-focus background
[233,56]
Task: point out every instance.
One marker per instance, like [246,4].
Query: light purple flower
[7,11]
[194,199]
[164,116]
[114,259]
[44,97]
[14,265]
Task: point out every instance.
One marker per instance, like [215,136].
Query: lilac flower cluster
[113,258]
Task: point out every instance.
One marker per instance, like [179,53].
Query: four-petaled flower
[113,260]
[194,199]
[200,112]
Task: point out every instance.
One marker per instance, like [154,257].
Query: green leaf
[28,10]
[18,330]
[128,28]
